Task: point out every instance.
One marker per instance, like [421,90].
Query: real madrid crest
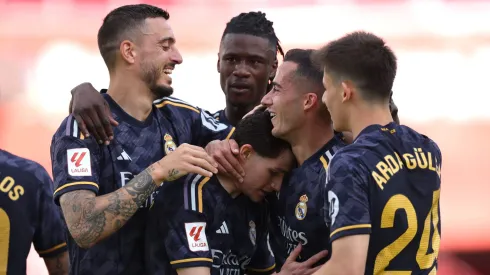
[252,233]
[169,145]
[301,208]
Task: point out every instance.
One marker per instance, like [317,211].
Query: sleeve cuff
[53,251]
[268,270]
[358,229]
[69,187]
[192,262]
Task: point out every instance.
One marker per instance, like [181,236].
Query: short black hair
[119,23]
[256,130]
[306,67]
[256,24]
[364,59]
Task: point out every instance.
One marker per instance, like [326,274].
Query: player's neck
[235,113]
[229,184]
[132,95]
[366,115]
[310,138]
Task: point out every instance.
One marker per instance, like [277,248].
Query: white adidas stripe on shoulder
[174,100]
[329,155]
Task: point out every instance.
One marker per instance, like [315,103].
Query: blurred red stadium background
[45,42]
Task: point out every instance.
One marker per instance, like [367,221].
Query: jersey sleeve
[346,195]
[186,241]
[197,123]
[209,129]
[184,226]
[49,235]
[75,160]
[263,261]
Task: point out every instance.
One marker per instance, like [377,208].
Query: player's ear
[347,90]
[246,152]
[128,51]
[310,100]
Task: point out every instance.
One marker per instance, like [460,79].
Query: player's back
[404,169]
[22,217]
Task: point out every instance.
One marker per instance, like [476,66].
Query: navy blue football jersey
[80,163]
[297,214]
[221,117]
[27,214]
[251,252]
[188,226]
[387,184]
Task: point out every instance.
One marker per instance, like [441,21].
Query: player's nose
[176,57]
[241,70]
[275,187]
[266,100]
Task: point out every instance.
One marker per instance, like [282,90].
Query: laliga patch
[196,236]
[79,164]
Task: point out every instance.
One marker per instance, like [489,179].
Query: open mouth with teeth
[168,71]
[273,115]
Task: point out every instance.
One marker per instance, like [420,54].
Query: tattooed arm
[90,219]
[58,265]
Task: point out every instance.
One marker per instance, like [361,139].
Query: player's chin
[277,131]
[162,89]
[257,196]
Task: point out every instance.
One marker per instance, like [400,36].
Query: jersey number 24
[424,260]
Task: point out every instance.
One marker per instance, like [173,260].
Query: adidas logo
[223,229]
[124,156]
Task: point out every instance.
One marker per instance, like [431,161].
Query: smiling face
[245,64]
[285,101]
[333,98]
[158,56]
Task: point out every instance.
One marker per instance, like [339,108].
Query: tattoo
[91,219]
[173,174]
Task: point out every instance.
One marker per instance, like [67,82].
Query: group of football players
[306,170]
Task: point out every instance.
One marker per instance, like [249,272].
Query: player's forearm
[91,219]
[58,265]
[194,271]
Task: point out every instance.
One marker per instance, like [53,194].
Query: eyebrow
[276,84]
[167,39]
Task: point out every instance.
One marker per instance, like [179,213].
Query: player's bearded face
[156,77]
[264,175]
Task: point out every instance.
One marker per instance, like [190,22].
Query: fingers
[96,128]
[200,171]
[234,146]
[204,161]
[253,110]
[315,258]
[108,113]
[105,132]
[81,125]
[231,164]
[200,157]
[221,153]
[294,254]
